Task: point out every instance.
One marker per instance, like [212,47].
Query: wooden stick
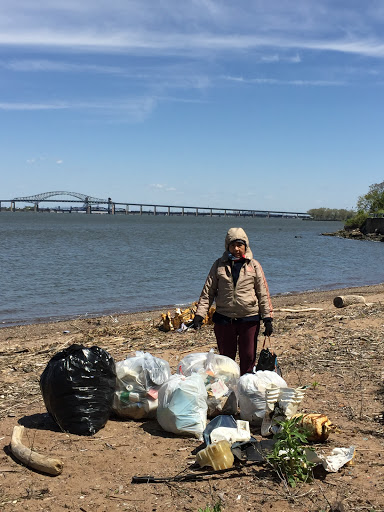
[33,459]
[288,310]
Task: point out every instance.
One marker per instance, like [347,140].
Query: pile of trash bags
[82,387]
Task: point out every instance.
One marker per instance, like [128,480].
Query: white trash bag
[220,375]
[138,381]
[182,407]
[252,398]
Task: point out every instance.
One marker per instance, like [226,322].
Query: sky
[253,104]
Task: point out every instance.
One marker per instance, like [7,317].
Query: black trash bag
[268,361]
[78,385]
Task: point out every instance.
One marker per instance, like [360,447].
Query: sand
[337,353]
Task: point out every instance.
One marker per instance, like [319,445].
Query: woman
[237,284]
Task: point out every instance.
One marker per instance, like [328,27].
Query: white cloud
[162,187]
[59,162]
[193,28]
[274,81]
[58,66]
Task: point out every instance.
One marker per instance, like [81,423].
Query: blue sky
[251,104]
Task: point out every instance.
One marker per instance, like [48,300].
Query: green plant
[288,457]
[215,508]
[357,220]
[315,384]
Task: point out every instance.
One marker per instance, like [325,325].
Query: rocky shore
[356,234]
[336,352]
[372,230]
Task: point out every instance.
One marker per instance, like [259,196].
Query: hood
[237,234]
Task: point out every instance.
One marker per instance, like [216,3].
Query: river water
[56,265]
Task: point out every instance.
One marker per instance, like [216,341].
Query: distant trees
[330,214]
[372,203]
[373,200]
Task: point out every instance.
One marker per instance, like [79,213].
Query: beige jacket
[250,296]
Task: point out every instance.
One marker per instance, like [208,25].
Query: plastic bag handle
[269,341]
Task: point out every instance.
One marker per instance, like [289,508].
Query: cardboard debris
[182,317]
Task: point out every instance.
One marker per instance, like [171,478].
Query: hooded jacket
[250,296]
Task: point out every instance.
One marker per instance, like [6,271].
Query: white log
[347,300]
[33,459]
[303,310]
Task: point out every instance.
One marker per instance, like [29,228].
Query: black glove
[197,322]
[268,329]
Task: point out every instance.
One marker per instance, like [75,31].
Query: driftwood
[303,310]
[33,459]
[347,300]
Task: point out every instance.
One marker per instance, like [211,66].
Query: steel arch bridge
[46,195]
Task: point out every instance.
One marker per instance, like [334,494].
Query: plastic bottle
[217,455]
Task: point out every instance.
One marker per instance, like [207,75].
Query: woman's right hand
[197,322]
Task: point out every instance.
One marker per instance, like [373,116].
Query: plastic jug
[217,455]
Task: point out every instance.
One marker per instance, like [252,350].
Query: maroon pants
[242,334]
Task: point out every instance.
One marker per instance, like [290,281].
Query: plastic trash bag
[251,391]
[182,405]
[77,387]
[220,374]
[226,421]
[333,462]
[138,381]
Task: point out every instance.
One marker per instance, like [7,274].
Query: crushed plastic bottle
[217,455]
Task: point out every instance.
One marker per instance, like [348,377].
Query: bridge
[89,204]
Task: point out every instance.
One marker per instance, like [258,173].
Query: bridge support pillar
[36,207]
[126,209]
[210,212]
[182,211]
[13,207]
[141,209]
[89,209]
[169,211]
[154,210]
[113,211]
[225,213]
[197,212]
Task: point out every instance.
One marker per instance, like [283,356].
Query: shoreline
[278,301]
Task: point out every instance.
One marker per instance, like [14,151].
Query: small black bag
[268,360]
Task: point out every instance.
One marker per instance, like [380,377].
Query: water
[66,265]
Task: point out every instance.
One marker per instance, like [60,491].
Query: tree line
[368,205]
[330,214]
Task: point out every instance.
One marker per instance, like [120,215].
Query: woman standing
[237,284]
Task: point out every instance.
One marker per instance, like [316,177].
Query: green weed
[215,508]
[288,457]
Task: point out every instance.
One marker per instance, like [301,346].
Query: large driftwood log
[33,459]
[347,300]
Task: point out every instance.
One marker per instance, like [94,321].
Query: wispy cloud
[137,108]
[32,106]
[162,187]
[274,81]
[58,66]
[193,28]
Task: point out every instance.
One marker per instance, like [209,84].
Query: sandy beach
[336,352]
